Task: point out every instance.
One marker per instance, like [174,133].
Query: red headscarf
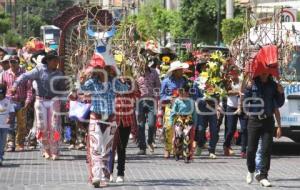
[265,61]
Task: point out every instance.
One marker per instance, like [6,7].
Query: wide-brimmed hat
[177,65]
[52,55]
[3,50]
[152,46]
[5,58]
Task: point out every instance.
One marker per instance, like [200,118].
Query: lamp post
[219,23]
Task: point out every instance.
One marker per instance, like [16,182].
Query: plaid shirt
[125,108]
[149,84]
[103,95]
[24,90]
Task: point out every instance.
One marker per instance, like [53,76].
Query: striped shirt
[24,90]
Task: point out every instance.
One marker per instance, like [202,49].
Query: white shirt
[233,101]
[6,107]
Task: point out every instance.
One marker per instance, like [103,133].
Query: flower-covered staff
[49,85]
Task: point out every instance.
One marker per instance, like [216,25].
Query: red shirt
[24,91]
[125,108]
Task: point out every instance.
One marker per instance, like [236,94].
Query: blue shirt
[168,86]
[48,82]
[268,93]
[182,106]
[103,94]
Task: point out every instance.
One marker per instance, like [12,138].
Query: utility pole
[219,23]
[15,15]
[229,9]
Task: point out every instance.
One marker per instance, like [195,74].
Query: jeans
[146,113]
[18,130]
[260,129]
[203,122]
[3,136]
[232,125]
[258,157]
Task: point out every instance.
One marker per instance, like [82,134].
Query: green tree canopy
[200,19]
[232,28]
[153,20]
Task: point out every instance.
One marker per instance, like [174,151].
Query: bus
[50,35]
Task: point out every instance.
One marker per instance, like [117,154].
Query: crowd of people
[106,109]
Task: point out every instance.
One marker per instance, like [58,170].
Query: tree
[232,28]
[200,19]
[11,38]
[153,21]
[4,23]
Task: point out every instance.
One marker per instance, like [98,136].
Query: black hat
[52,55]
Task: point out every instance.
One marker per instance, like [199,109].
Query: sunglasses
[14,61]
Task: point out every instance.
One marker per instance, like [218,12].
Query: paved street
[28,170]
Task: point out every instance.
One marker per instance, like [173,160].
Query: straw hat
[177,65]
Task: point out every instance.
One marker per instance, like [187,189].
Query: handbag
[78,110]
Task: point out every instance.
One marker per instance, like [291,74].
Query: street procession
[149,94]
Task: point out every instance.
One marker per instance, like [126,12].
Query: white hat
[5,58]
[176,65]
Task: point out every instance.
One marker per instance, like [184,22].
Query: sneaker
[141,152]
[111,178]
[212,156]
[81,146]
[32,147]
[243,155]
[10,149]
[198,151]
[71,147]
[96,183]
[46,155]
[120,179]
[54,157]
[20,148]
[265,183]
[249,178]
[231,152]
[151,148]
[130,136]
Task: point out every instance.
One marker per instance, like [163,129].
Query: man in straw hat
[174,80]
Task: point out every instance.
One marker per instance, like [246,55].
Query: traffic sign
[289,15]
